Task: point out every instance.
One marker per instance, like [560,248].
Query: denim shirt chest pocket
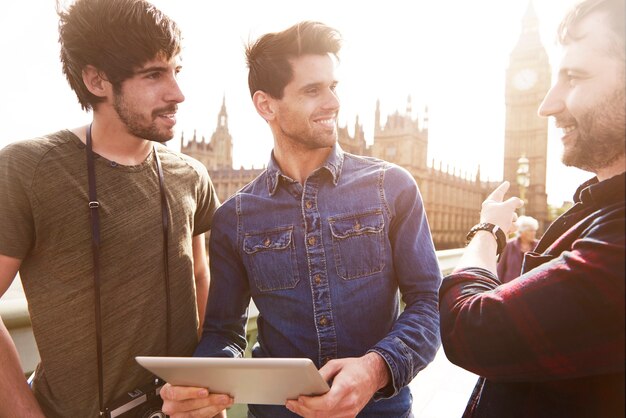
[270,257]
[358,244]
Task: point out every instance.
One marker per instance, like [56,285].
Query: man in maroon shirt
[550,343]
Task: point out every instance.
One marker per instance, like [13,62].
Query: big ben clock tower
[526,133]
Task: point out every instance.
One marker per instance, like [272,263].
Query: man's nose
[553,102]
[332,100]
[175,94]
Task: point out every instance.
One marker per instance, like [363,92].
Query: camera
[143,402]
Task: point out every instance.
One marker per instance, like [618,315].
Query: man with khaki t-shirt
[104,223]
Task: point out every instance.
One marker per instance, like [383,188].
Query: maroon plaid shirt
[551,342]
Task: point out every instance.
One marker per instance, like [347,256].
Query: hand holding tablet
[269,381]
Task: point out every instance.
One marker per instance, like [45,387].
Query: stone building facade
[217,155]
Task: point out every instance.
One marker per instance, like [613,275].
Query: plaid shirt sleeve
[562,319]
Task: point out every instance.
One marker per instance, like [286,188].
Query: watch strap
[495,230]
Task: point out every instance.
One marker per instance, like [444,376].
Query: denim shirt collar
[333,165]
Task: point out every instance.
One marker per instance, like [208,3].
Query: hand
[355,380]
[190,402]
[500,213]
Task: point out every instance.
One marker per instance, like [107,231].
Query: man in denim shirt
[324,242]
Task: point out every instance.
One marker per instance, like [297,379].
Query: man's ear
[265,105]
[96,82]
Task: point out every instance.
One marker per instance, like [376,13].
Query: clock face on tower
[524,79]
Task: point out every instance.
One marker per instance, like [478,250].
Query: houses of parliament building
[452,201]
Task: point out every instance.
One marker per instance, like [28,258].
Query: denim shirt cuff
[392,388]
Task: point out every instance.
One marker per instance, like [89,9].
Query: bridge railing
[14,314]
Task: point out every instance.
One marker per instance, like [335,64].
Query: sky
[449,55]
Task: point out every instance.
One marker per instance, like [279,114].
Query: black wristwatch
[497,232]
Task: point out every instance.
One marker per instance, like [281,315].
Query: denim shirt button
[308,204]
[312,241]
[323,321]
[317,279]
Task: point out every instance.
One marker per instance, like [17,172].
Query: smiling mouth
[168,118]
[330,122]
[568,129]
[167,112]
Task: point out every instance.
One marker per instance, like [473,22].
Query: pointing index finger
[498,194]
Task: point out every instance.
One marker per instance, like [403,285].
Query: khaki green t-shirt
[44,220]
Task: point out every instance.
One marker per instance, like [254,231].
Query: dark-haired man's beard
[301,132]
[138,125]
[600,135]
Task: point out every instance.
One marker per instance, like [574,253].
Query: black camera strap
[94,205]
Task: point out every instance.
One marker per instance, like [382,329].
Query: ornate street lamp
[523,180]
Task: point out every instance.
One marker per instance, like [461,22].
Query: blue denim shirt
[325,264]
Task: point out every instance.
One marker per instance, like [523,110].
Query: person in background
[113,274]
[324,242]
[510,263]
[550,343]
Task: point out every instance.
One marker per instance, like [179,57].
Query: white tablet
[268,381]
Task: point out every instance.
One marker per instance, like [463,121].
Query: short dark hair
[268,58]
[615,16]
[116,37]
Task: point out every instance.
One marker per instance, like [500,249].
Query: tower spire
[222,117]
[529,35]
[377,117]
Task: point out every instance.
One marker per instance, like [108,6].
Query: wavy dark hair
[115,36]
[268,57]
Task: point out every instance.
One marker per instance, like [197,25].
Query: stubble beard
[135,124]
[600,135]
[308,138]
